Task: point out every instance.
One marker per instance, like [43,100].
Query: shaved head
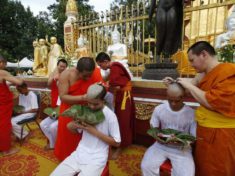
[175,89]
[175,94]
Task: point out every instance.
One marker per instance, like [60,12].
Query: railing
[203,20]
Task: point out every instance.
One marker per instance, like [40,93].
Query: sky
[41,5]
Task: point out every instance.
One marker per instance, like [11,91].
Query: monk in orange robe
[48,125]
[120,85]
[73,85]
[52,81]
[214,89]
[6,108]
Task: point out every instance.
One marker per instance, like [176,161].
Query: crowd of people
[84,149]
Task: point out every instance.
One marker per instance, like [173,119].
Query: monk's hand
[84,97]
[167,81]
[185,82]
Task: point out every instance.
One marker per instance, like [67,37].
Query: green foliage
[84,114]
[57,11]
[18,109]
[19,28]
[226,53]
[52,112]
[171,137]
[118,3]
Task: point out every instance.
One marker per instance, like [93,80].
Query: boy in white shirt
[28,99]
[173,114]
[91,155]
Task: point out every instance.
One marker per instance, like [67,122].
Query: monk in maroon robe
[120,86]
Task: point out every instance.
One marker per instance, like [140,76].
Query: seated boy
[173,114]
[28,100]
[91,154]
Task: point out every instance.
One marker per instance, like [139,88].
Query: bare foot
[116,154]
[10,152]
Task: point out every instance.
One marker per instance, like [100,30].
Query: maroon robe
[123,100]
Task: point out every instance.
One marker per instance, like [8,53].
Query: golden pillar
[70,32]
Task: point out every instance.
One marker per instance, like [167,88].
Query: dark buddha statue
[169,21]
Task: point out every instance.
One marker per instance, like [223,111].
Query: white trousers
[181,160]
[49,128]
[17,128]
[70,167]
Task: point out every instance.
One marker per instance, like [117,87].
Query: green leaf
[172,137]
[85,114]
[18,109]
[52,112]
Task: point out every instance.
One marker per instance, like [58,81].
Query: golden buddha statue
[43,55]
[55,52]
[36,60]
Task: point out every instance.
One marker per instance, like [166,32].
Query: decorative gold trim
[144,110]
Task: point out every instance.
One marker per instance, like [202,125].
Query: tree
[58,14]
[17,28]
[45,26]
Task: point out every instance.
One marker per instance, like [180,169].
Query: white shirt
[183,120]
[28,101]
[92,150]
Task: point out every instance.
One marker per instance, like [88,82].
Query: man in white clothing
[28,100]
[172,114]
[91,155]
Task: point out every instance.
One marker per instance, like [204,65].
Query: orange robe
[123,101]
[6,108]
[54,93]
[215,147]
[66,141]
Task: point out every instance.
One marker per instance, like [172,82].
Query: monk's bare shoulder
[3,75]
[70,75]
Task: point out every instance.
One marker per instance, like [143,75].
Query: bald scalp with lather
[175,89]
